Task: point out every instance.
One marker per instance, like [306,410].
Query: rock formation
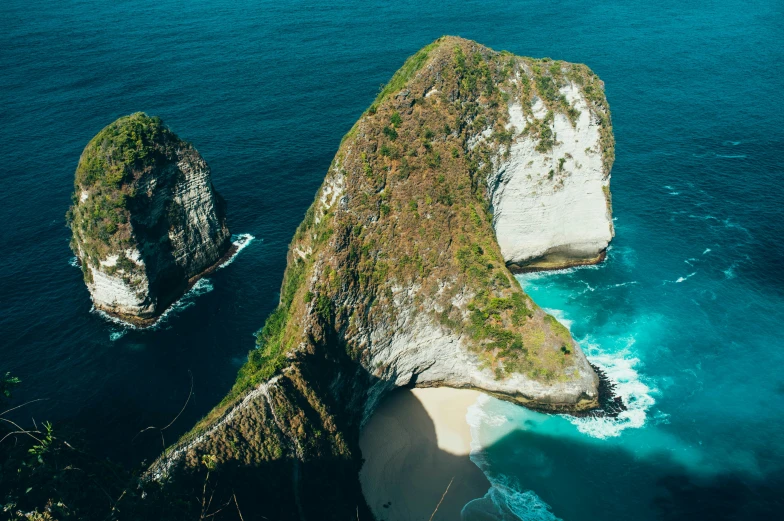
[146,220]
[550,194]
[467,161]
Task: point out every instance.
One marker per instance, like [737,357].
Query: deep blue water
[685,313]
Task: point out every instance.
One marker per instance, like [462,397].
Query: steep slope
[396,278]
[146,219]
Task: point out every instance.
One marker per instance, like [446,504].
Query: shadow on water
[583,481]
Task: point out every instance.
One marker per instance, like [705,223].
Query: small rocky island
[470,163]
[146,220]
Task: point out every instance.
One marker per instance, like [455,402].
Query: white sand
[415,443]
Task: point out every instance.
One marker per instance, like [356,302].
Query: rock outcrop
[398,274]
[146,220]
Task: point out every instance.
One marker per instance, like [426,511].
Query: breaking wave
[201,287]
[687,277]
[241,242]
[621,368]
[505,500]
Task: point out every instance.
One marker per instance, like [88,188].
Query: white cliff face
[551,209]
[123,289]
[202,238]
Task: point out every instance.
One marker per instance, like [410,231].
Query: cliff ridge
[399,274]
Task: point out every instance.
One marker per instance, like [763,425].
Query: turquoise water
[685,313]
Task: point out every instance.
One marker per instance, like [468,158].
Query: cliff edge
[470,161]
[146,220]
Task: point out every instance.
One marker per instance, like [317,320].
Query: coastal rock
[398,275]
[146,220]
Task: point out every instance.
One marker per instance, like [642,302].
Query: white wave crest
[241,241]
[683,279]
[623,284]
[620,368]
[561,317]
[505,501]
[201,287]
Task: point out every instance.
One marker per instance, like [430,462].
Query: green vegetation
[7,385]
[272,341]
[107,183]
[405,73]
[47,474]
[418,219]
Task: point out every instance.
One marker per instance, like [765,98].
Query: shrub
[391,133]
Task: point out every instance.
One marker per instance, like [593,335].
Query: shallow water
[685,312]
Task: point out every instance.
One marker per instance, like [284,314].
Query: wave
[683,279]
[505,500]
[241,242]
[201,287]
[729,273]
[731,143]
[623,284]
[74,262]
[561,317]
[729,156]
[621,368]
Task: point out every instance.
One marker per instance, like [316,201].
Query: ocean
[684,314]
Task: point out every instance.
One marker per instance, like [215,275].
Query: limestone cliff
[145,218]
[550,192]
[398,274]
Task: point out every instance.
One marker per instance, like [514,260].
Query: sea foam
[505,500]
[201,287]
[621,369]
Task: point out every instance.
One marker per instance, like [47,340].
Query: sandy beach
[415,444]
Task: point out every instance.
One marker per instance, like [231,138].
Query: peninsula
[469,163]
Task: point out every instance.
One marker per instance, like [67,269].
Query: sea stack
[145,218]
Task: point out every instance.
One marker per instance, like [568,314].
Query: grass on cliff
[419,221]
[108,168]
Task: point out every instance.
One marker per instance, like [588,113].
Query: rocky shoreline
[556,265]
[144,323]
[610,403]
